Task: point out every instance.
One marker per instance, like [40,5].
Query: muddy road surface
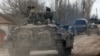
[83,46]
[86,45]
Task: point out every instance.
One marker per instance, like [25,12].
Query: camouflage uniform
[31,15]
[48,16]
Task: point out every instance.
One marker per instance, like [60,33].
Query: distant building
[5,21]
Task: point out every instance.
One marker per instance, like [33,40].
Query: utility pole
[30,2]
[83,8]
[68,2]
[56,4]
[96,13]
[56,9]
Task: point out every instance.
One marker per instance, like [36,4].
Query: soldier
[40,17]
[28,10]
[48,15]
[31,14]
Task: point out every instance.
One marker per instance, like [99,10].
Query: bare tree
[86,8]
[19,6]
[66,12]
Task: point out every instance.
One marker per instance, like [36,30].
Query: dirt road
[83,46]
[86,46]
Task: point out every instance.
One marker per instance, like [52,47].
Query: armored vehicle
[37,35]
[23,38]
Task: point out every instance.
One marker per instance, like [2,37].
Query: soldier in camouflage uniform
[48,16]
[32,16]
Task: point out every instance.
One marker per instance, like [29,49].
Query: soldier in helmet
[40,18]
[31,14]
[48,16]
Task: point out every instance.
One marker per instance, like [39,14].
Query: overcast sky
[96,5]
